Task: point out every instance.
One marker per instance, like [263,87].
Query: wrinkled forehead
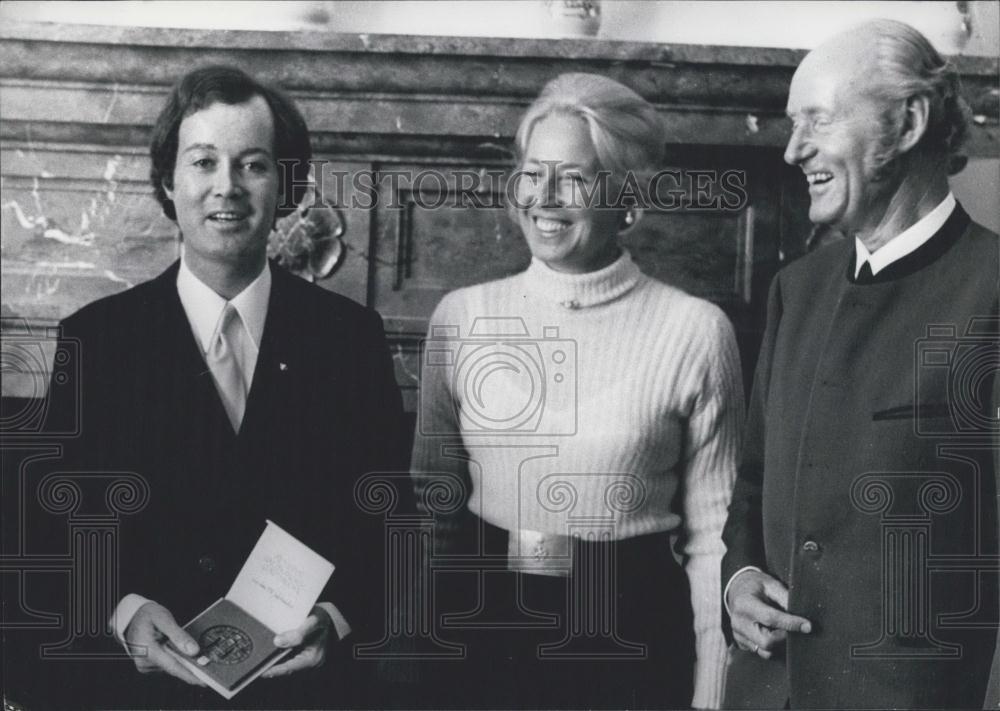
[833,78]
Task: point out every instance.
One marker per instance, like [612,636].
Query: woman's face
[560,198]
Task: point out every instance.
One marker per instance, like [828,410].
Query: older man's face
[835,139]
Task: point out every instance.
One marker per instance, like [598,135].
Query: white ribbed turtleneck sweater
[615,389]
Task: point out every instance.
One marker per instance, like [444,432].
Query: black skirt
[616,633]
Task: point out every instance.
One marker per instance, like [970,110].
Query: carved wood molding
[421,92]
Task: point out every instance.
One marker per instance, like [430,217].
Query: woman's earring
[629,218]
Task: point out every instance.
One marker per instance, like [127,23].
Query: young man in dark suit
[239,393]
[862,535]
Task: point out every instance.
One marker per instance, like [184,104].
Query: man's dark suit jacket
[868,482]
[322,411]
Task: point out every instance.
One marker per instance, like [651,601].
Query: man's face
[835,139]
[225,185]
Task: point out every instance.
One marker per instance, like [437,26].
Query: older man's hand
[757,609]
[147,634]
[309,639]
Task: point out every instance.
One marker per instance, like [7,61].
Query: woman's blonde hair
[626,130]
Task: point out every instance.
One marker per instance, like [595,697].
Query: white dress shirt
[203,308]
[906,242]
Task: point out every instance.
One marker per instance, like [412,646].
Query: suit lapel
[280,369]
[279,361]
[190,393]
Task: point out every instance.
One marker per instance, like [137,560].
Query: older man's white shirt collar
[204,307]
[907,241]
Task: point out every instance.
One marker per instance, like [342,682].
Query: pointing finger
[776,592]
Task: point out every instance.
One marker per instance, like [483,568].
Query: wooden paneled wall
[79,220]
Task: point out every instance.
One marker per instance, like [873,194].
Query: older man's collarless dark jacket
[868,483]
[322,411]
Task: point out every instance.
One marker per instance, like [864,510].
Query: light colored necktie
[223,360]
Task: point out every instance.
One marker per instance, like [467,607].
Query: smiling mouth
[224,217]
[549,226]
[818,178]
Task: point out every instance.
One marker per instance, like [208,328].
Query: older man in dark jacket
[861,569]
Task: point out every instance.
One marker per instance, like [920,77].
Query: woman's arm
[714,437]
[439,461]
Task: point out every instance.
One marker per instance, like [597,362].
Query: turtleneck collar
[580,291]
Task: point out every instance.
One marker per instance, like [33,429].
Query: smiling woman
[604,396]
[559,173]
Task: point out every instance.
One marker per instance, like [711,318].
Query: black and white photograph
[570,354]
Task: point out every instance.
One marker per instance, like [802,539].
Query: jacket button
[810,546]
[206,563]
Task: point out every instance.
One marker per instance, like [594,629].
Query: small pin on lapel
[282,367]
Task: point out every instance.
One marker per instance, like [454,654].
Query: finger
[768,641]
[772,637]
[296,637]
[753,647]
[778,620]
[777,592]
[138,648]
[140,635]
[756,637]
[141,640]
[767,615]
[742,641]
[311,656]
[144,665]
[169,664]
[176,634]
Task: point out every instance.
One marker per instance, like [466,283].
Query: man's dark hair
[228,85]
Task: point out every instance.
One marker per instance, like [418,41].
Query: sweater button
[206,563]
[810,547]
